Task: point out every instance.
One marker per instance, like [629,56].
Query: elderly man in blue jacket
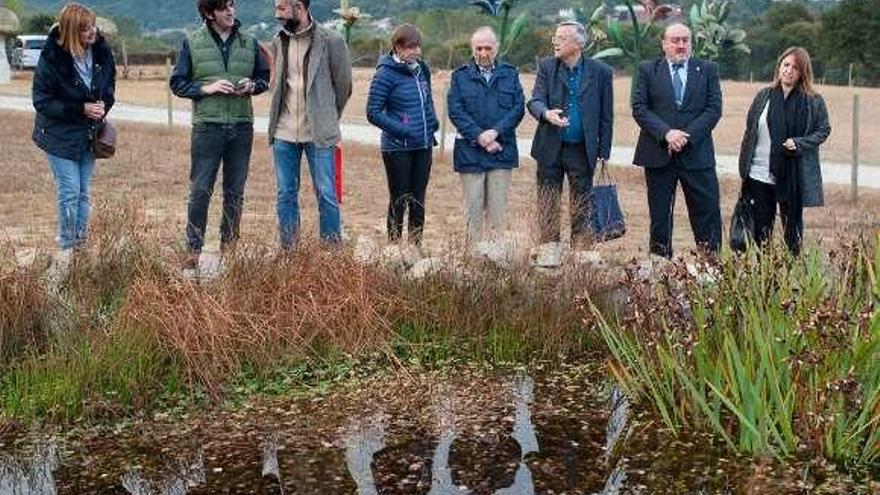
[486,103]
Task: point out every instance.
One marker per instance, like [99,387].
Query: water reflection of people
[362,441]
[524,434]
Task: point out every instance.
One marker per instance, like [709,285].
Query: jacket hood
[389,62]
[53,47]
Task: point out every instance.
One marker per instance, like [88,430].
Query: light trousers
[485,198]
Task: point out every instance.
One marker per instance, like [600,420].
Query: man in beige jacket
[312,85]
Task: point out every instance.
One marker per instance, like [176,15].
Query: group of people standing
[676,102]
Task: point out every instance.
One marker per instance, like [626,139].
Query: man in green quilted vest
[219,68]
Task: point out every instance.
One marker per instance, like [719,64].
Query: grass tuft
[778,356]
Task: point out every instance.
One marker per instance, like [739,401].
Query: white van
[26,51]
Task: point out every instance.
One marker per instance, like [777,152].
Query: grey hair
[485,30]
[580,32]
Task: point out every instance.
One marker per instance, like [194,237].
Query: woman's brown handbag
[104,143]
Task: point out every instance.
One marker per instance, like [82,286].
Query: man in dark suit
[677,103]
[573,103]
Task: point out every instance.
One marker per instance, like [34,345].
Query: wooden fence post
[124,60]
[854,180]
[170,98]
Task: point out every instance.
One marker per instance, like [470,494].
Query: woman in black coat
[72,92]
[779,156]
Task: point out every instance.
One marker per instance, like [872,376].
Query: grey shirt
[83,65]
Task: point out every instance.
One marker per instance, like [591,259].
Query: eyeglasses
[559,39]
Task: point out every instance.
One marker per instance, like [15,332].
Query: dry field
[152,91]
[150,172]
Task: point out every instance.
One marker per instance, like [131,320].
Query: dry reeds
[267,309]
[23,306]
[133,323]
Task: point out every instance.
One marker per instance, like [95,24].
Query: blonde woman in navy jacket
[73,89]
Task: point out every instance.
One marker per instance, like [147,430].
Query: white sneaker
[548,255]
[60,267]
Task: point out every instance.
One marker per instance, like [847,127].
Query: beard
[290,25]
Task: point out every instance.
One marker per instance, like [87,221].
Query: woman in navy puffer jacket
[400,103]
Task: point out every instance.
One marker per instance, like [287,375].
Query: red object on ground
[337,160]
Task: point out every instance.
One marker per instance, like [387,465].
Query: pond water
[475,433]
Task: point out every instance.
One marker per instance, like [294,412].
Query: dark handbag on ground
[606,216]
[742,223]
[104,143]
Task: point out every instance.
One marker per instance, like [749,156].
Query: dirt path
[833,173]
[150,176]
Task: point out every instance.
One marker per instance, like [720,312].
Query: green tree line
[838,34]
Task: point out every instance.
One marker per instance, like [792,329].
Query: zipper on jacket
[424,116]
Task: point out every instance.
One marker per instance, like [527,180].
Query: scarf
[786,118]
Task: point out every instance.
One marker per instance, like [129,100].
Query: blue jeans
[72,181]
[211,144]
[287,172]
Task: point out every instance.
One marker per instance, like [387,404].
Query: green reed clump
[777,356]
[72,354]
[94,376]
